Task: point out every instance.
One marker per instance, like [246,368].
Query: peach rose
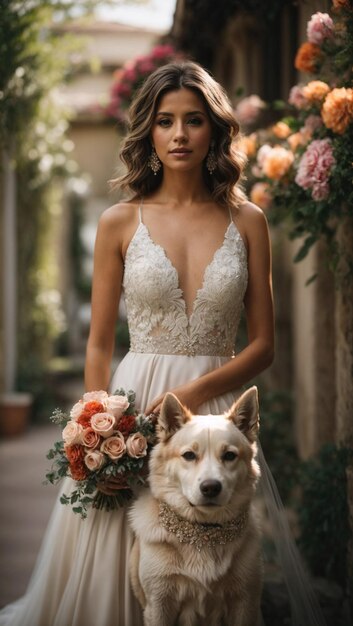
[116,405]
[277,163]
[247,144]
[337,110]
[103,424]
[114,447]
[262,154]
[136,445]
[281,130]
[96,396]
[298,139]
[76,410]
[72,433]
[316,91]
[260,195]
[94,460]
[308,57]
[90,439]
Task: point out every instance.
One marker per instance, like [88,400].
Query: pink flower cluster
[248,109]
[128,79]
[315,167]
[319,28]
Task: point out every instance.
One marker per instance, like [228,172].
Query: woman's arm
[258,354]
[113,229]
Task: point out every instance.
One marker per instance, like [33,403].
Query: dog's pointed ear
[245,413]
[172,416]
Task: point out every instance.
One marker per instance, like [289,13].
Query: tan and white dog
[196,559]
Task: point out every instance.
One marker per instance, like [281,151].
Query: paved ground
[25,506]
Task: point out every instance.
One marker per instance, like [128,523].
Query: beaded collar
[200,534]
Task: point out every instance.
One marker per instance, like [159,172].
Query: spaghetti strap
[140,211]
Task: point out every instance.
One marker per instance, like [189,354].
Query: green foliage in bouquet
[300,169]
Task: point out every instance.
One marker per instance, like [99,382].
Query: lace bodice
[156,309]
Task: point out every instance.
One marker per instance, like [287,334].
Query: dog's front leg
[244,612]
[160,611]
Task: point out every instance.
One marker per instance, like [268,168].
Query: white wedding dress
[81,577]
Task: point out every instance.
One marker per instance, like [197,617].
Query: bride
[188,251]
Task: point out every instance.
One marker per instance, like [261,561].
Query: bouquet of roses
[102,437]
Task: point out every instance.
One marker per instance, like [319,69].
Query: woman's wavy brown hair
[136,150]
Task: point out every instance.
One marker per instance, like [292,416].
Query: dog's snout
[211,488]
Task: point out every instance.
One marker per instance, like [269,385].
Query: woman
[188,251]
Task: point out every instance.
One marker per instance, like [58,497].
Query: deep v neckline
[199,291]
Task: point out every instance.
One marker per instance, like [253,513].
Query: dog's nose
[210,488]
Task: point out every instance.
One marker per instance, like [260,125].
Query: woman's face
[181,131]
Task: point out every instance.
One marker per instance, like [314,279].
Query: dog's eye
[189,455]
[229,456]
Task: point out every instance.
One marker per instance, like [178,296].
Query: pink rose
[315,168]
[72,433]
[136,445]
[248,109]
[263,152]
[320,27]
[116,405]
[76,410]
[297,98]
[103,424]
[95,396]
[94,460]
[90,439]
[114,447]
[313,122]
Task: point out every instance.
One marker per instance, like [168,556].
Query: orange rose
[91,408]
[281,130]
[75,455]
[308,57]
[247,144]
[341,4]
[260,195]
[277,162]
[337,110]
[316,91]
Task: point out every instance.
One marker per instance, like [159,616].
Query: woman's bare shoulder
[251,222]
[121,214]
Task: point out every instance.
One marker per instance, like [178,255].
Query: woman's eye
[195,121]
[164,122]
[189,455]
[229,456]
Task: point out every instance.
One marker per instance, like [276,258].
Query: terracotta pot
[15,410]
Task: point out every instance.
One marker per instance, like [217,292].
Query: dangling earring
[211,161]
[154,162]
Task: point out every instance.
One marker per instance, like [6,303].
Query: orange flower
[316,91]
[260,195]
[300,138]
[91,408]
[308,57]
[341,4]
[75,455]
[337,110]
[277,162]
[247,144]
[281,130]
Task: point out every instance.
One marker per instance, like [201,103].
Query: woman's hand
[109,486]
[187,394]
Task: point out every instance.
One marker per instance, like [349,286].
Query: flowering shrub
[128,79]
[301,168]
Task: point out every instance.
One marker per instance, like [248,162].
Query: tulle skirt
[81,577]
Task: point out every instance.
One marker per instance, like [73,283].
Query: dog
[196,557]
